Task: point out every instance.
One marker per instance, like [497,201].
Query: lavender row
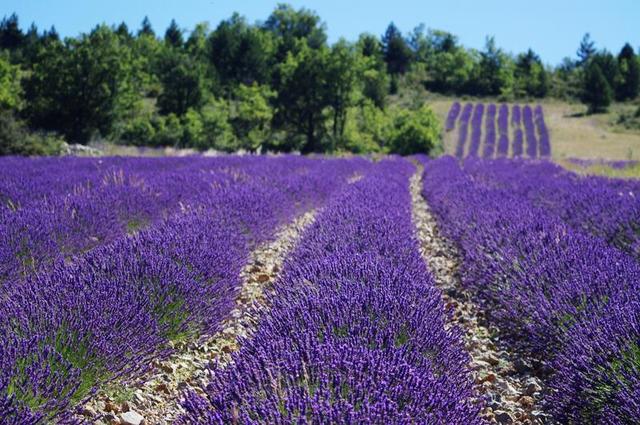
[503,131]
[543,132]
[607,208]
[476,129]
[463,130]
[560,294]
[530,131]
[104,316]
[453,116]
[356,329]
[490,129]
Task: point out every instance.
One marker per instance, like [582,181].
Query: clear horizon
[552,29]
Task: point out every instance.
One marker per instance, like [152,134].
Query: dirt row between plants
[503,380]
[156,399]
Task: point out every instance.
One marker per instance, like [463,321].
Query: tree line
[276,85]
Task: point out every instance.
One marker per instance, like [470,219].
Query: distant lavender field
[525,135]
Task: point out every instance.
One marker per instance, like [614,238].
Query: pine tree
[146,28]
[596,91]
[629,67]
[397,53]
[586,50]
[11,36]
[173,36]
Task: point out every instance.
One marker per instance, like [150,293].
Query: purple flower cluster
[503,131]
[530,131]
[106,313]
[476,129]
[516,115]
[543,132]
[490,129]
[463,130]
[356,329]
[453,116]
[559,292]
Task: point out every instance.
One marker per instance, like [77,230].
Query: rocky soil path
[156,399]
[505,381]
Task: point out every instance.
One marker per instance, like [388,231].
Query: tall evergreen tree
[596,91]
[173,35]
[586,49]
[530,76]
[397,53]
[146,28]
[11,36]
[629,69]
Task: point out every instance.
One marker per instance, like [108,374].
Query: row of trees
[277,84]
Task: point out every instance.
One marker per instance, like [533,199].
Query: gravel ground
[156,399]
[505,381]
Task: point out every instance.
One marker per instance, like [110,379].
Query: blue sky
[553,28]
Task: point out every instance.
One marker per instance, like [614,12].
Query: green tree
[302,97]
[173,35]
[449,66]
[289,26]
[341,91]
[597,92]
[82,87]
[11,36]
[146,28]
[251,115]
[586,50]
[629,68]
[397,53]
[493,74]
[183,82]
[240,53]
[415,132]
[530,76]
[373,76]
[10,89]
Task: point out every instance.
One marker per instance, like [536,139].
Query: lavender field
[290,289]
[494,131]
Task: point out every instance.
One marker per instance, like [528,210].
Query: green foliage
[10,89]
[16,140]
[240,53]
[302,96]
[93,77]
[11,36]
[530,76]
[492,74]
[415,132]
[251,115]
[173,35]
[183,81]
[629,68]
[397,53]
[597,92]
